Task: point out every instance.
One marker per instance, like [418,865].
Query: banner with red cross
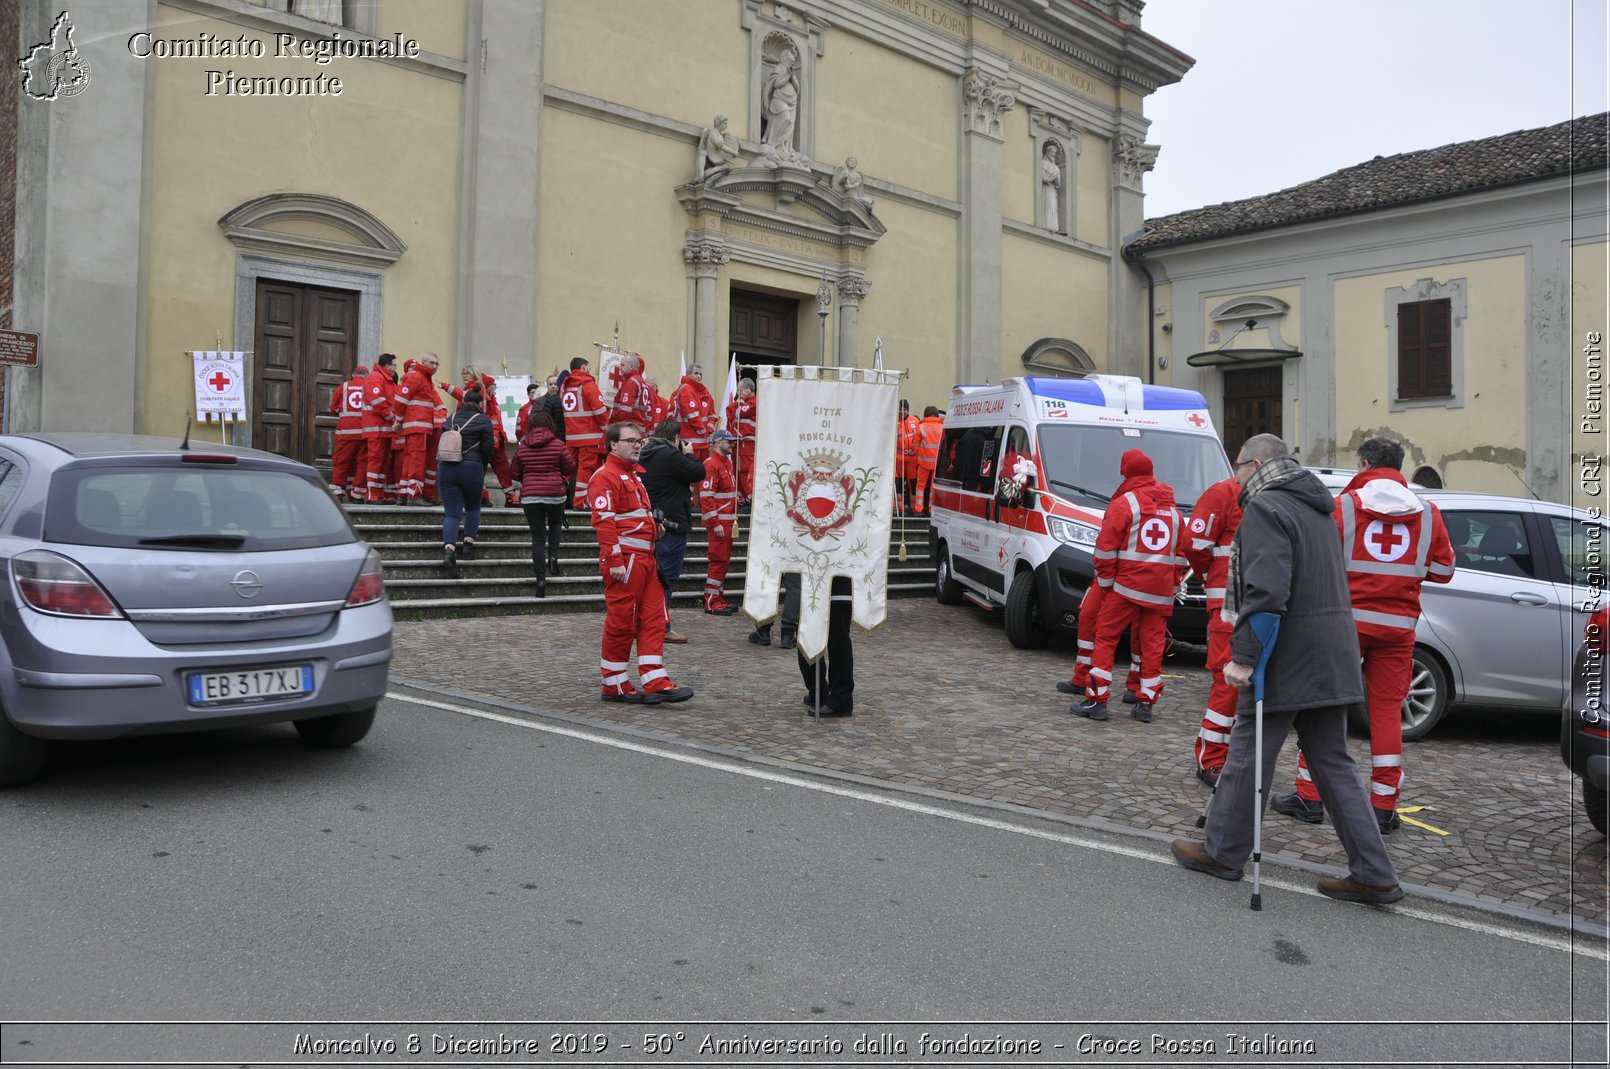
[220,385]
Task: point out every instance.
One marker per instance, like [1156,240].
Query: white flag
[824,493]
[730,390]
[220,385]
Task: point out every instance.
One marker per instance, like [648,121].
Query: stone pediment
[789,201]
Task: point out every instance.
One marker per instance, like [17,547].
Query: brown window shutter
[1438,348]
[1410,380]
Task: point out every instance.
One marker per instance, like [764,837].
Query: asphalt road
[460,868]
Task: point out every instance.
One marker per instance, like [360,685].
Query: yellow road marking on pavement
[1402,809]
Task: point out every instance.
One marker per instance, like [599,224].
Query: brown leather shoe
[675,638]
[1347,889]
[1193,855]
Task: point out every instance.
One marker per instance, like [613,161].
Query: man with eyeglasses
[634,601]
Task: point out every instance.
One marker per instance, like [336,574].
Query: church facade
[512,183]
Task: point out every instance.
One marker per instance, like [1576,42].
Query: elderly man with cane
[1287,561]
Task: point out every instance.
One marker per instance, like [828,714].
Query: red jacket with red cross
[718,494]
[631,402]
[1394,542]
[694,408]
[418,402]
[1209,536]
[1137,552]
[379,390]
[347,404]
[584,411]
[622,516]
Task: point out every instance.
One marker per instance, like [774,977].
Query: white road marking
[1564,944]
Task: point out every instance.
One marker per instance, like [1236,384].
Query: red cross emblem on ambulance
[1195,420]
[1386,541]
[1154,535]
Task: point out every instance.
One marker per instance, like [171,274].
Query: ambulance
[1023,547]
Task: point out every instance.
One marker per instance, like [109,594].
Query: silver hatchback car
[1502,632]
[153,586]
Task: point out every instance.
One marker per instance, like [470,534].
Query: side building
[1452,298]
[511,183]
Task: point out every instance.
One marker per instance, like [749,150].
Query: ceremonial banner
[824,493]
[220,385]
[609,374]
[510,390]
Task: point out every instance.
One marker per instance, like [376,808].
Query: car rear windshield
[1080,458]
[229,508]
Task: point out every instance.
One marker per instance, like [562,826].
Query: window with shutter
[1425,349]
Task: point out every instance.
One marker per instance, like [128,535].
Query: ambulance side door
[972,545]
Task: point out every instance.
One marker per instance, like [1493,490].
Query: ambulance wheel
[946,589]
[1023,614]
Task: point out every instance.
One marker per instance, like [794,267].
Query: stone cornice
[373,244]
[1120,51]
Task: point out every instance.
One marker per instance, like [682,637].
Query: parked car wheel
[946,589]
[1596,800]
[1023,615]
[341,729]
[21,756]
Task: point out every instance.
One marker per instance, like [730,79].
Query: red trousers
[588,456]
[1150,629]
[634,611]
[720,554]
[500,468]
[1388,667]
[378,475]
[346,478]
[1213,740]
[1089,619]
[411,467]
[745,465]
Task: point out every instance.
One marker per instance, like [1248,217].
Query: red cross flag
[220,385]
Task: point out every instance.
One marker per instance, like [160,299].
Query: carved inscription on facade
[773,241]
[1065,73]
[933,14]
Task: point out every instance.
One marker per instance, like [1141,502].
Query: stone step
[556,602]
[472,582]
[428,565]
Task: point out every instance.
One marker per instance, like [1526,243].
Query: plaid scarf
[1272,472]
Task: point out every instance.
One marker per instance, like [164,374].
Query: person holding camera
[670,471]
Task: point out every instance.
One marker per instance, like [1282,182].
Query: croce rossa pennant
[824,493]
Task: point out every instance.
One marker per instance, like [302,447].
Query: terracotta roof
[1388,181]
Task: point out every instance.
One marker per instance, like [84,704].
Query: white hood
[1384,497]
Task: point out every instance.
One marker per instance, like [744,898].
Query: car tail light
[370,587]
[56,585]
[1593,634]
[208,458]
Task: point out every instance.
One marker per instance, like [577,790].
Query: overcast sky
[1286,91]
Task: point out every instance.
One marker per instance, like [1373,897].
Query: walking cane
[1266,628]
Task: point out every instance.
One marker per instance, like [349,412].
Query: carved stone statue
[847,182]
[1051,184]
[780,97]
[718,150]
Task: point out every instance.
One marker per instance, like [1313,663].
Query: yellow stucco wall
[648,54]
[209,154]
[1261,337]
[611,248]
[1046,293]
[437,26]
[1092,205]
[912,305]
[1589,483]
[898,116]
[1481,446]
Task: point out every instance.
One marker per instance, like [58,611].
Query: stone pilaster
[1128,334]
[705,257]
[985,102]
[851,291]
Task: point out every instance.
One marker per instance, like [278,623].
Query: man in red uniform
[346,403]
[419,404]
[584,424]
[659,408]
[1137,560]
[930,430]
[694,408]
[531,391]
[905,433]
[1394,542]
[380,422]
[742,422]
[1208,540]
[631,396]
[634,603]
[718,502]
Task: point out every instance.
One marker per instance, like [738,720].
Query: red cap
[1135,463]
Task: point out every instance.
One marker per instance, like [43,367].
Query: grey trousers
[1322,733]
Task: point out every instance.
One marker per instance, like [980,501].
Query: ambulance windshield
[1081,461]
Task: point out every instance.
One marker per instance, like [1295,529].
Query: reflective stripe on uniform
[1385,619]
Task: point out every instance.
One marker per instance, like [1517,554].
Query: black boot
[542,587]
[553,564]
[450,561]
[468,552]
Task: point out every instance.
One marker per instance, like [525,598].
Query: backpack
[450,447]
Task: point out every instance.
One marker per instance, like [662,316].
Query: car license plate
[250,685]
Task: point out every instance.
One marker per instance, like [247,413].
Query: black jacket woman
[461,481]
